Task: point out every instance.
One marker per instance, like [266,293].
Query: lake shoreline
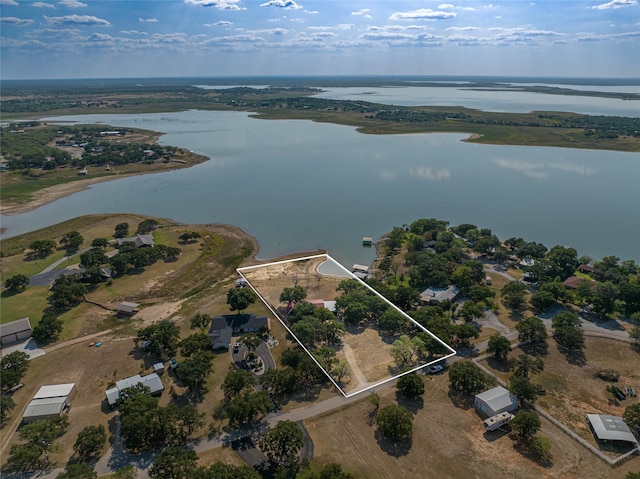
[50,194]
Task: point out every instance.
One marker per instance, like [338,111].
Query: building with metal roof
[15,331]
[439,295]
[50,401]
[152,381]
[127,308]
[494,401]
[610,428]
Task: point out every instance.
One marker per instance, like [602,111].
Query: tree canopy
[283,442]
[466,377]
[395,423]
[240,299]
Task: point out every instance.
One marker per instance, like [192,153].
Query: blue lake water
[299,185]
[487,100]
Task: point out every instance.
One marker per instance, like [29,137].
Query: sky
[180,38]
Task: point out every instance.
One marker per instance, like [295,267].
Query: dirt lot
[572,391]
[448,442]
[367,353]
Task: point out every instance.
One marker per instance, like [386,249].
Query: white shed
[495,401]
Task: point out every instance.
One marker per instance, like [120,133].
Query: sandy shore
[52,193]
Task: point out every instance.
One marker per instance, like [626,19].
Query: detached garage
[49,402]
[15,331]
[494,401]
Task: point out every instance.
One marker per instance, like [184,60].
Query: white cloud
[386,28]
[427,173]
[446,6]
[345,26]
[219,4]
[219,23]
[43,5]
[422,14]
[169,38]
[76,20]
[148,20]
[586,37]
[18,22]
[311,12]
[133,32]
[288,4]
[615,4]
[461,29]
[387,36]
[362,11]
[8,2]
[72,4]
[100,37]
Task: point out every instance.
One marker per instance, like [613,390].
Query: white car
[434,368]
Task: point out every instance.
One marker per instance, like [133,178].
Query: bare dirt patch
[572,391]
[448,442]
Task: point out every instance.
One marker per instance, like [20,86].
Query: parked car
[434,369]
[236,347]
[173,363]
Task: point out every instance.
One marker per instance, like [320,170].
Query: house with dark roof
[586,269]
[138,240]
[223,328]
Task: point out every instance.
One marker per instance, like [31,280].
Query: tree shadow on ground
[394,449]
[460,400]
[501,365]
[575,357]
[413,405]
[535,349]
[525,451]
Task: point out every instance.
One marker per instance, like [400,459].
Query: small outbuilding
[494,401]
[49,402]
[128,309]
[158,368]
[611,429]
[15,331]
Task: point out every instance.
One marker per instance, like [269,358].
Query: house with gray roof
[435,296]
[138,240]
[15,331]
[223,328]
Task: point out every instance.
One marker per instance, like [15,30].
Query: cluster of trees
[525,425]
[29,148]
[435,319]
[315,326]
[298,372]
[196,366]
[520,385]
[282,445]
[13,367]
[163,337]
[38,440]
[179,462]
[242,404]
[467,378]
[395,423]
[145,425]
[567,331]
